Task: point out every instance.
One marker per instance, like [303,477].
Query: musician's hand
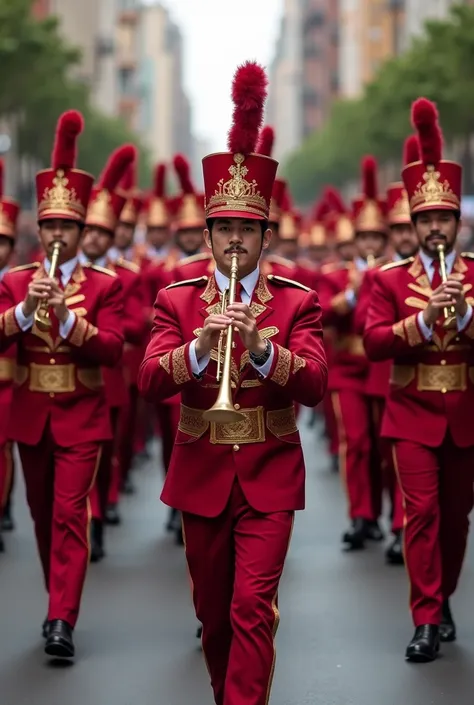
[244,320]
[39,290]
[209,336]
[440,299]
[57,301]
[454,289]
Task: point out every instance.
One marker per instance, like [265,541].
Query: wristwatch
[260,360]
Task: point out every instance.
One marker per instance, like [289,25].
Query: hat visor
[436,207]
[244,215]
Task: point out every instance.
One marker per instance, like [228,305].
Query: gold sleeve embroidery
[340,304]
[91,331]
[165,362]
[78,335]
[282,369]
[180,369]
[399,329]
[298,363]
[9,322]
[413,334]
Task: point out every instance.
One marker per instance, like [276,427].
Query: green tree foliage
[437,66]
[36,86]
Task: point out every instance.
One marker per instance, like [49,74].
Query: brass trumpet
[370,261]
[223,410]
[449,313]
[42,318]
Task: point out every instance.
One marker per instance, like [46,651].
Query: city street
[344,618]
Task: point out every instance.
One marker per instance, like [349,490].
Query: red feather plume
[266,140]
[424,116]
[183,171]
[2,167]
[159,181]
[249,92]
[334,200]
[411,150]
[321,210]
[117,165]
[369,178]
[69,127]
[128,180]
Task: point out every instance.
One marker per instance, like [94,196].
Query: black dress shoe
[59,642]
[112,516]
[374,532]
[179,536]
[97,541]
[355,537]
[2,545]
[199,632]
[447,628]
[424,646]
[174,520]
[45,628]
[394,553]
[128,486]
[7,523]
[335,463]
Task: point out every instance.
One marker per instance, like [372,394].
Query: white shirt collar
[115,254]
[248,283]
[360,264]
[428,262]
[67,268]
[3,272]
[101,262]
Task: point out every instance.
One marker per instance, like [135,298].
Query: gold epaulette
[400,263]
[186,282]
[287,282]
[98,268]
[467,255]
[22,267]
[281,260]
[194,258]
[131,266]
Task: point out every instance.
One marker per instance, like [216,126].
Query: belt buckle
[251,429]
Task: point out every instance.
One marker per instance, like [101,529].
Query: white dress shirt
[461,322]
[26,322]
[351,297]
[3,272]
[101,262]
[248,283]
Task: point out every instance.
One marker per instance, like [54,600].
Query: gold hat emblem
[238,193]
[433,191]
[59,197]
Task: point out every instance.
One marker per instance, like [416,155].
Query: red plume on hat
[69,127]
[266,141]
[118,164]
[249,92]
[424,117]
[411,150]
[159,181]
[369,178]
[333,200]
[183,171]
[9,210]
[320,210]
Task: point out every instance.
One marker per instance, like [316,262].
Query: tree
[438,66]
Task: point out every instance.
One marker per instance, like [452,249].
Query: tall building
[371,32]
[127,61]
[164,118]
[320,72]
[419,11]
[285,108]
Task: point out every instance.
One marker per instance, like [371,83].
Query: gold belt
[352,344]
[57,379]
[7,369]
[251,429]
[432,378]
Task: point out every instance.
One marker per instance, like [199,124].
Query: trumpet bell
[43,322]
[222,412]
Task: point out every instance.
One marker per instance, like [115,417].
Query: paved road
[344,622]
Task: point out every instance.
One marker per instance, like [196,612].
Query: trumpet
[223,411]
[449,313]
[42,318]
[370,261]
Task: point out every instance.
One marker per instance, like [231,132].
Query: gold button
[236,447]
[444,390]
[457,340]
[443,362]
[236,407]
[234,344]
[52,361]
[51,394]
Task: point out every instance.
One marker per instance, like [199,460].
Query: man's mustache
[237,249]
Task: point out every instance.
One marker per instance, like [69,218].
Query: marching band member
[65,329]
[420,317]
[103,213]
[9,212]
[237,484]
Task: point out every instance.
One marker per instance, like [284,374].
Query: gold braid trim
[164,362]
[413,334]
[79,332]
[399,329]
[282,370]
[179,367]
[9,323]
[340,304]
[298,363]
